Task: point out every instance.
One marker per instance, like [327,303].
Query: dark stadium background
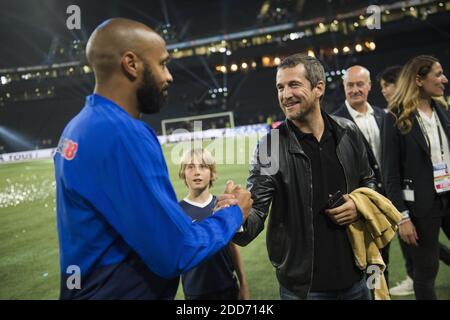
[34,33]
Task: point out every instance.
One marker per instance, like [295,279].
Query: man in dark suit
[370,121]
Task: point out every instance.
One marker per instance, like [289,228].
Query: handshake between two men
[343,214]
[235,195]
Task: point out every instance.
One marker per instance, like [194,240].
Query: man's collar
[298,133]
[355,114]
[302,135]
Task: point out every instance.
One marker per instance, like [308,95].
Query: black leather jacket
[286,182]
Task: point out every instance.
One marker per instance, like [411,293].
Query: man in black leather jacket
[296,168]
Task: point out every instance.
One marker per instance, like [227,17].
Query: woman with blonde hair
[417,163]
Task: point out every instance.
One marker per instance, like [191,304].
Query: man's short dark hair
[314,71]
[390,74]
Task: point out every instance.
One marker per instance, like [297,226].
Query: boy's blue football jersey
[216,273]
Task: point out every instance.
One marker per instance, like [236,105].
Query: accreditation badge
[441,177]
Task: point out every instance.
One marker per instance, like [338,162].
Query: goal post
[212,121]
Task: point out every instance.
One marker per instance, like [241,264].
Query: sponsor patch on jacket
[67,149]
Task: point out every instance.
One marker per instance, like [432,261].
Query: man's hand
[227,198]
[224,201]
[235,194]
[245,200]
[344,214]
[407,232]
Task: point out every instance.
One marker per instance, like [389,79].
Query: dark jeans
[425,256]
[358,291]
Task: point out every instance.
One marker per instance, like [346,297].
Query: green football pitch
[29,259]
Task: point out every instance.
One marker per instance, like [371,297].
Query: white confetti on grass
[17,193]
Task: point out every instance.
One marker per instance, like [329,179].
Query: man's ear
[130,64]
[319,89]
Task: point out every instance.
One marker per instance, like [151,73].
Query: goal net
[201,122]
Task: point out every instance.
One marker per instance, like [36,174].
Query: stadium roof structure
[30,31]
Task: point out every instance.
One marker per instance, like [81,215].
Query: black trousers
[425,256]
[444,256]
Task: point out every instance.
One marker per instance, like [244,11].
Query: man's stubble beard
[150,97]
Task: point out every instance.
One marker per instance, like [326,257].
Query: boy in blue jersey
[214,278]
[122,233]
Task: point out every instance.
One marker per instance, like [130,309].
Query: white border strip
[27,155]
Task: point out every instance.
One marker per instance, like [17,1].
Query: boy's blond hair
[198,156]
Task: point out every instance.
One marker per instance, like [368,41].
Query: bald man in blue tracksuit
[122,234]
